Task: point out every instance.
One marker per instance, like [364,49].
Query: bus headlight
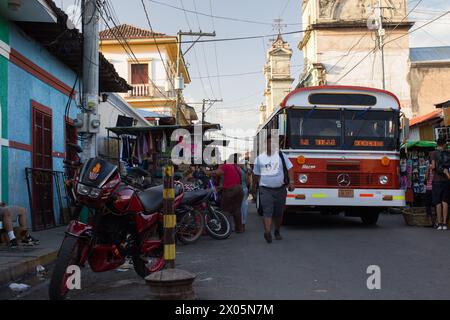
[303,178]
[383,180]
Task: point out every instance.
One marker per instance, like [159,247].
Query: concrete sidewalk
[16,263]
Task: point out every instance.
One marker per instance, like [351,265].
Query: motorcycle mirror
[76,147]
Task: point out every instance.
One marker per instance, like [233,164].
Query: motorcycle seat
[191,197]
[152,198]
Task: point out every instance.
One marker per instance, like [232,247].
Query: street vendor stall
[147,148]
[413,168]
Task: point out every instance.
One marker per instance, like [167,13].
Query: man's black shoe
[268,237]
[278,235]
[13,243]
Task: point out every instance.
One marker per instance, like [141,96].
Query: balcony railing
[141,90]
[149,91]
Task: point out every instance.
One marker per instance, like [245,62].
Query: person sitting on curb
[8,214]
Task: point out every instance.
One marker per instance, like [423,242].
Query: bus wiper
[360,116]
[310,112]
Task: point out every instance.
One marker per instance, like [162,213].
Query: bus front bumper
[347,198]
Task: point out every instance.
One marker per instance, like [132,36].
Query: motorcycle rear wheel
[217,224]
[190,226]
[68,255]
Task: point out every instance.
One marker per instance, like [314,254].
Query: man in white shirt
[269,172]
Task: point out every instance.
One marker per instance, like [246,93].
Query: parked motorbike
[126,222]
[201,201]
[203,197]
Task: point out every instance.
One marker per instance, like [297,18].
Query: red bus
[344,143]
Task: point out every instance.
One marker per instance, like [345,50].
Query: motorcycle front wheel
[190,226]
[69,254]
[217,224]
[153,261]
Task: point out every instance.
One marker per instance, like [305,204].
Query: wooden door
[42,182]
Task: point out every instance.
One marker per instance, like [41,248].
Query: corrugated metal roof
[151,114]
[429,54]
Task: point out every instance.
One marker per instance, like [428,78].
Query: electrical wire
[126,46]
[156,43]
[195,53]
[219,17]
[399,37]
[204,53]
[420,27]
[348,52]
[215,51]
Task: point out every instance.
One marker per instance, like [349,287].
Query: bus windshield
[365,129]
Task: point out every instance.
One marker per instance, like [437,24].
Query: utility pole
[381,32]
[211,102]
[179,81]
[89,121]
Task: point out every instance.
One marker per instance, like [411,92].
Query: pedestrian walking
[245,180]
[441,183]
[273,174]
[232,193]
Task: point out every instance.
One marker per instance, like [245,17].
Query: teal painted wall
[4,36]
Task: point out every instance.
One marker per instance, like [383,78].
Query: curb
[28,266]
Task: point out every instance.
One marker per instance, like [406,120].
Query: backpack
[443,161]
[285,170]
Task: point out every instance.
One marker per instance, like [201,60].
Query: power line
[195,52]
[125,45]
[359,62]
[348,52]
[418,28]
[218,17]
[156,43]
[204,53]
[215,50]
[399,37]
[284,8]
[406,16]
[242,73]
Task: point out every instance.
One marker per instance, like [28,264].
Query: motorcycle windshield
[96,172]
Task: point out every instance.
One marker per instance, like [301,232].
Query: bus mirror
[282,124]
[405,130]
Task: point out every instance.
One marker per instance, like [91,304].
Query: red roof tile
[426,117]
[128,32]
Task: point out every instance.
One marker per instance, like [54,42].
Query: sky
[211,64]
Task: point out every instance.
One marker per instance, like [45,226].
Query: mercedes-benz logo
[343,180]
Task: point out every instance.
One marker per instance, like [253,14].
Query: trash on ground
[19,287]
[41,272]
[206,279]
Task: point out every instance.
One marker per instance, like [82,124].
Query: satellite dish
[373,22]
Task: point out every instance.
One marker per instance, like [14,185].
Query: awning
[67,45]
[136,130]
[445,104]
[419,144]
[29,10]
[425,118]
[192,115]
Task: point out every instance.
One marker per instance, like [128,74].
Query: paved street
[319,258]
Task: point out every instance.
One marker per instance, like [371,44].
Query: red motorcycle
[124,222]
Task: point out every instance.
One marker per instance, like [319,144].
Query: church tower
[339,48]
[277,72]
